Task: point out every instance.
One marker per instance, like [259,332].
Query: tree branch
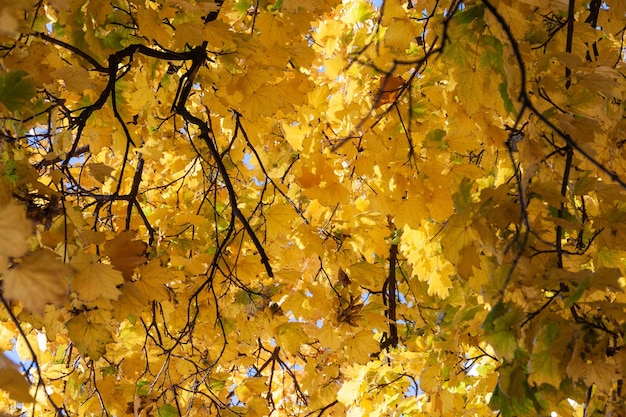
[391,296]
[97,66]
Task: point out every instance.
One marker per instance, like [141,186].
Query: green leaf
[504,343]
[577,293]
[503,88]
[545,368]
[498,327]
[143,388]
[462,197]
[437,136]
[10,172]
[277,7]
[168,411]
[242,6]
[513,396]
[396,236]
[16,89]
[492,59]
[470,14]
[497,311]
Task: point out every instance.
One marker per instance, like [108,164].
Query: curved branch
[97,66]
[60,410]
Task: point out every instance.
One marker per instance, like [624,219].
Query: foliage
[312,207]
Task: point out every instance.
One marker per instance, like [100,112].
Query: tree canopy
[312,207]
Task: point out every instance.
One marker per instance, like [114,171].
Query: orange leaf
[390,88]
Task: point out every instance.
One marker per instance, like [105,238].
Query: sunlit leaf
[13,382]
[95,280]
[89,337]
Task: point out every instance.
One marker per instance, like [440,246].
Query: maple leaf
[16,89]
[290,337]
[38,280]
[329,336]
[13,382]
[125,253]
[589,364]
[389,89]
[95,280]
[361,345]
[89,337]
[400,33]
[100,171]
[15,230]
[545,368]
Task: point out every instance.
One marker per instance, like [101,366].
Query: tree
[312,207]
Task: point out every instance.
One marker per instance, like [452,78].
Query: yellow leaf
[410,211]
[366,274]
[361,345]
[190,218]
[272,29]
[290,336]
[472,82]
[94,280]
[131,336]
[40,279]
[8,21]
[459,233]
[263,101]
[329,336]
[143,94]
[188,33]
[88,237]
[13,382]
[439,282]
[278,220]
[439,202]
[150,22]
[100,171]
[75,79]
[469,260]
[392,10]
[545,368]
[332,193]
[400,34]
[257,407]
[250,387]
[152,280]
[15,230]
[349,391]
[294,135]
[217,33]
[89,336]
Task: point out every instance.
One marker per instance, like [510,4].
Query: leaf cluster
[312,207]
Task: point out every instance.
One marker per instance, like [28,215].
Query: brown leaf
[390,88]
[125,253]
[343,278]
